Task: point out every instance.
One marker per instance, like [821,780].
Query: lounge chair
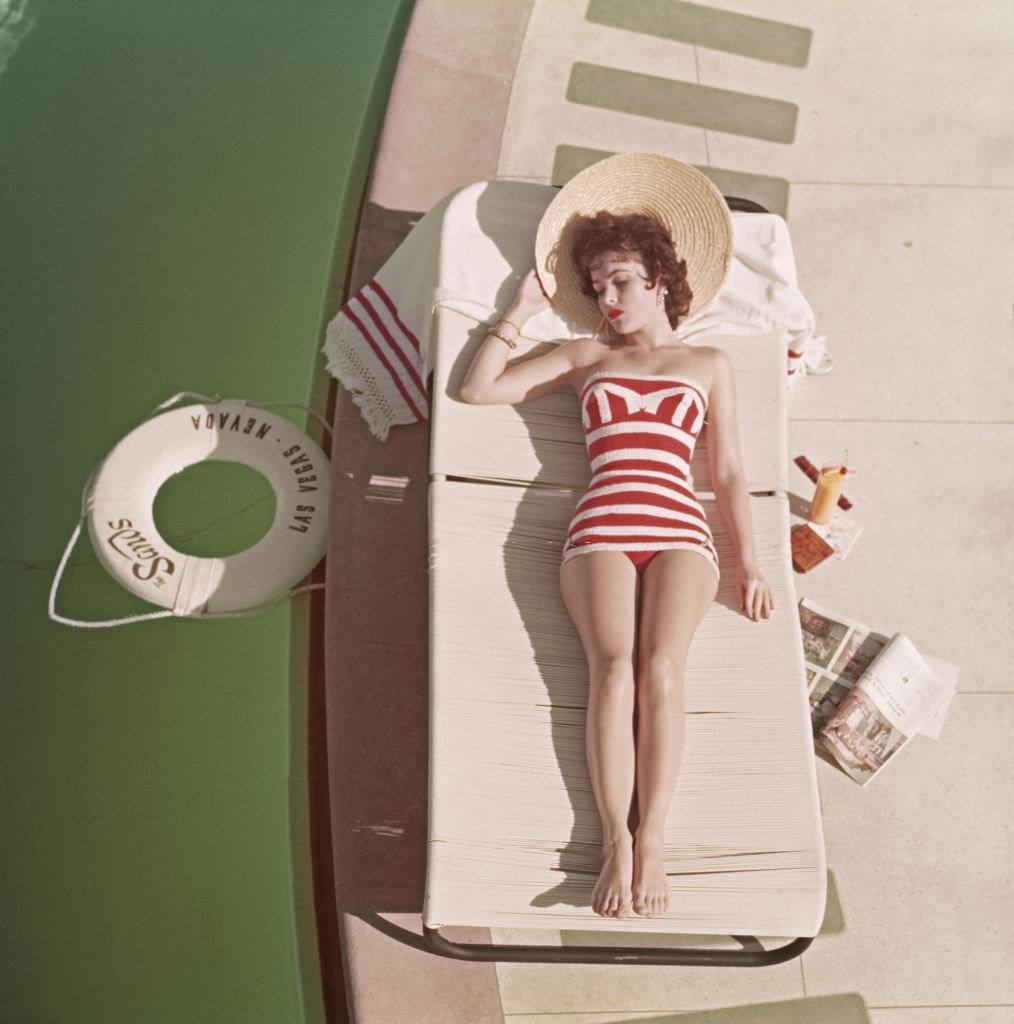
[514,838]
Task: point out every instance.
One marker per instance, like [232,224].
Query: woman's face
[620,283]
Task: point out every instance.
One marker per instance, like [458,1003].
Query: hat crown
[678,195]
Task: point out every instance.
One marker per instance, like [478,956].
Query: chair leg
[618,954]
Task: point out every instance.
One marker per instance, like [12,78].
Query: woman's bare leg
[677,588]
[599,592]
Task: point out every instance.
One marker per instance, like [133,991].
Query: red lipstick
[614,313]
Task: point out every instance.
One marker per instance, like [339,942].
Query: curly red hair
[638,236]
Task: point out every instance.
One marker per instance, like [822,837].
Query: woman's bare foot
[611,895]
[650,891]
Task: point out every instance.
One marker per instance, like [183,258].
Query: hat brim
[680,196]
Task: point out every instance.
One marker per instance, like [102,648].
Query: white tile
[913,288]
[844,1009]
[921,865]
[935,558]
[625,992]
[847,1008]
[942,1015]
[481,38]
[906,91]
[558,35]
[607,1017]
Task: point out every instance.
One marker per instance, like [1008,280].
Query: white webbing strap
[246,613]
[293,405]
[56,617]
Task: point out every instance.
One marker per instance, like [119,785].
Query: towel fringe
[340,343]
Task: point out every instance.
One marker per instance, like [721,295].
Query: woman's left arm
[729,483]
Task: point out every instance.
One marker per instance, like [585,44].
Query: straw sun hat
[683,199]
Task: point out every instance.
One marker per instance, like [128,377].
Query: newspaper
[869,694]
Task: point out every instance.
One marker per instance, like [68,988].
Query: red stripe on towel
[375,285]
[378,352]
[410,371]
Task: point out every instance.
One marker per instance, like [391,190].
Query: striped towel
[470,251]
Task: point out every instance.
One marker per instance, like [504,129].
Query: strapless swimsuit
[640,430]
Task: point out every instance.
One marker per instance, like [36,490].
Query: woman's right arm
[489,381]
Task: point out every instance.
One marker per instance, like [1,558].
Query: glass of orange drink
[829,485]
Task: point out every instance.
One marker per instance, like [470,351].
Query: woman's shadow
[533,547]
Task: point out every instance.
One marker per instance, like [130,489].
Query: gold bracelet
[502,337]
[504,320]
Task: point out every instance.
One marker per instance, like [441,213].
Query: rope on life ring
[119,497]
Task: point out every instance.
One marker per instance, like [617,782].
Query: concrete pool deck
[879,131]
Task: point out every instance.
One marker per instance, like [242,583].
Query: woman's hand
[754,592]
[530,299]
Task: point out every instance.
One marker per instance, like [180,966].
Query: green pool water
[181,183]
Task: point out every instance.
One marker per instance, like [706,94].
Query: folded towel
[760,295]
[470,251]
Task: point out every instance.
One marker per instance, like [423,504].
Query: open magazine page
[838,650]
[860,738]
[883,711]
[949,673]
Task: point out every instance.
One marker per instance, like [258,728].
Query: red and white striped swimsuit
[640,430]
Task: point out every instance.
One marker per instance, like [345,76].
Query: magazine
[841,533]
[869,694]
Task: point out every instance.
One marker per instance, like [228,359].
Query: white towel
[471,250]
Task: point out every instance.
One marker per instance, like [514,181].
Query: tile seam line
[505,175]
[938,1006]
[522,38]
[872,1006]
[704,128]
[884,184]
[851,419]
[454,66]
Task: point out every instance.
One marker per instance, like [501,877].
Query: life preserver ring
[119,507]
